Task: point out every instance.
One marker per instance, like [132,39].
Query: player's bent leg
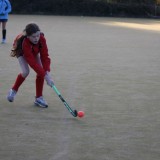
[24,66]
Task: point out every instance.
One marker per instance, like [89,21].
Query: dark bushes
[82,7]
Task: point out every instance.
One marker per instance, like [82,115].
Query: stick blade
[75,113]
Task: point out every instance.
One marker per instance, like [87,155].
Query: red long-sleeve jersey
[30,52]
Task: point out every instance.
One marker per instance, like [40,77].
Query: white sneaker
[3,41]
[11,95]
[40,101]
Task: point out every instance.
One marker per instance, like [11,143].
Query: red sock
[39,86]
[18,82]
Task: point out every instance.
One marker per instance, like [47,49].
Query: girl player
[5,8]
[30,48]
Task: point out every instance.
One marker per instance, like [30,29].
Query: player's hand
[48,79]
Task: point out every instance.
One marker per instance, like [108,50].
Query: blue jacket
[5,8]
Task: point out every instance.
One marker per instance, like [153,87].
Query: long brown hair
[30,29]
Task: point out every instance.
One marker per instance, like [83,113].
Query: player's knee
[40,77]
[25,74]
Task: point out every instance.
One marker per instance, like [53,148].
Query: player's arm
[46,61]
[9,7]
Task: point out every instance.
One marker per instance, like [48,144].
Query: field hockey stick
[73,112]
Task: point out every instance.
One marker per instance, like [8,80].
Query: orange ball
[80,114]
